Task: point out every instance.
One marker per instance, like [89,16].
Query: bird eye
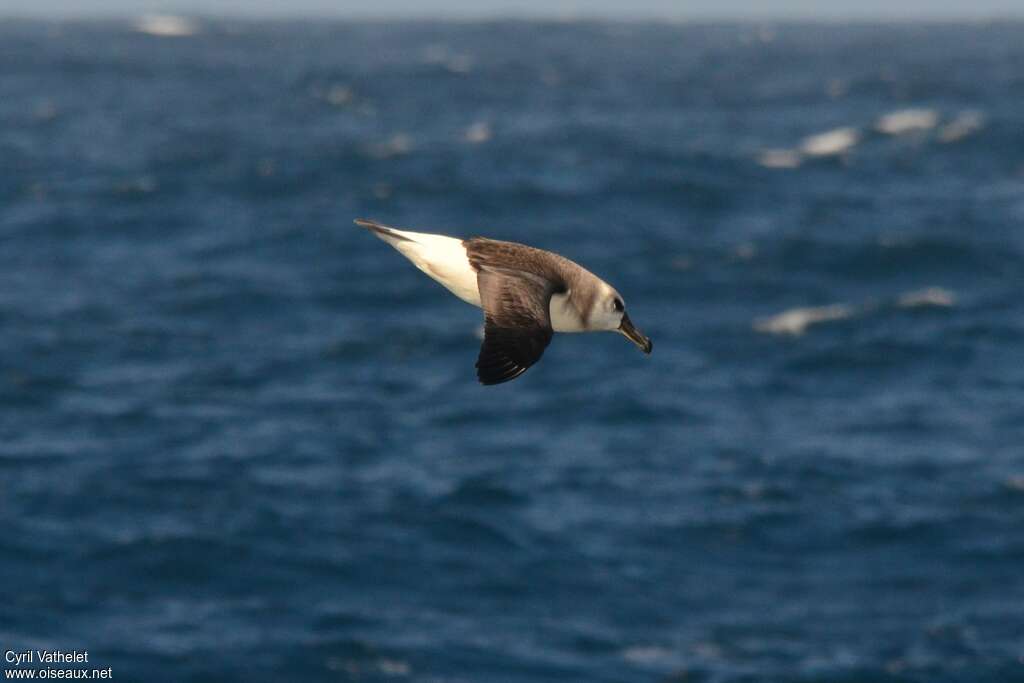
[618,306]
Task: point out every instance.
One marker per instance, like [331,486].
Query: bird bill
[634,335]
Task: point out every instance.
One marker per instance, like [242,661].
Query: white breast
[564,317]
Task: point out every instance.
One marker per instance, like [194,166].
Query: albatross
[527,294]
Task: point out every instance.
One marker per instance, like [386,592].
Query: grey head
[527,294]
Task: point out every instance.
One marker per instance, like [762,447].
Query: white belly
[443,259]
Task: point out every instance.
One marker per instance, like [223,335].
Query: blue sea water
[241,439]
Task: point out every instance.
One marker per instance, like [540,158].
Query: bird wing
[517,322]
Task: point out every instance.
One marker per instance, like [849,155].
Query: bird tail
[390,235]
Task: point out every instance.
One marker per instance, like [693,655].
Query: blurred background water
[241,439]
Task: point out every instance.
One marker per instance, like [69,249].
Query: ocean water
[241,439]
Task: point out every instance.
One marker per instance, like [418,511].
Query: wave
[796,321]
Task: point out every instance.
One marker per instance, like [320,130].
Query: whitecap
[929,296]
[795,321]
[440,54]
[907,121]
[397,145]
[836,88]
[358,669]
[744,252]
[477,133]
[1015,483]
[166,25]
[646,654]
[779,158]
[393,667]
[830,143]
[338,95]
[965,124]
[459,64]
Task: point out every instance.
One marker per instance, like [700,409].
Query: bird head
[609,313]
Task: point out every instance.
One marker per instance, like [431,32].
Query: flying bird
[527,295]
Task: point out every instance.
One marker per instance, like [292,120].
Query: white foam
[397,145]
[907,121]
[830,143]
[393,667]
[479,132]
[440,54]
[929,296]
[836,88]
[795,321]
[338,95]
[646,654]
[166,25]
[966,123]
[1015,482]
[744,252]
[459,64]
[779,158]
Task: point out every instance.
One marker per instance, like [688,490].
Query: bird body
[526,294]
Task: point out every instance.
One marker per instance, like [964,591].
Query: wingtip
[493,380]
[490,374]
